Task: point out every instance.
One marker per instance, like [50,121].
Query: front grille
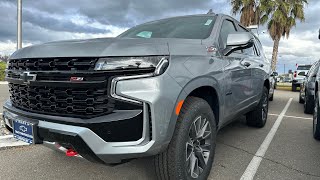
[54,64]
[76,102]
[50,90]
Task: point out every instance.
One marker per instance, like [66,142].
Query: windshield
[192,27]
[307,67]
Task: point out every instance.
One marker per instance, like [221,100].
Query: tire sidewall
[316,114]
[185,121]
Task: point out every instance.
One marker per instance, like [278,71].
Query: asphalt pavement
[290,152]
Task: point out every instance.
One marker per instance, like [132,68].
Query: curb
[3,82]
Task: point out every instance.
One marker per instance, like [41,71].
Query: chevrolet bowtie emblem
[26,77]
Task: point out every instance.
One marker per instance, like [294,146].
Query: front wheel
[191,151]
[258,117]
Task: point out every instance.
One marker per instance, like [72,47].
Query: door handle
[247,64]
[261,65]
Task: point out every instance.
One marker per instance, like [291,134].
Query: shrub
[2,70]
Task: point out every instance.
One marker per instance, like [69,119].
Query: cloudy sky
[51,20]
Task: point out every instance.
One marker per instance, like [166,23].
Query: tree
[4,58]
[249,10]
[280,17]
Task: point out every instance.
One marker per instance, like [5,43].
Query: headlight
[159,63]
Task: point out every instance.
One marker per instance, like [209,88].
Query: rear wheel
[191,151]
[316,116]
[308,105]
[258,117]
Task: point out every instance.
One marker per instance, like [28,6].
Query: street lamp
[19,24]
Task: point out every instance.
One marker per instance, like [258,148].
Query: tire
[294,87]
[258,117]
[316,116]
[300,98]
[271,98]
[308,105]
[174,162]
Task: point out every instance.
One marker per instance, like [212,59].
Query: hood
[101,48]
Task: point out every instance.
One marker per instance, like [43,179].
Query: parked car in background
[287,80]
[160,89]
[307,88]
[273,84]
[299,76]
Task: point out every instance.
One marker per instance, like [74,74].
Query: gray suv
[160,89]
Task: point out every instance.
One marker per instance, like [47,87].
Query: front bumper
[158,120]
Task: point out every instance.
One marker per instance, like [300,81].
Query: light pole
[19,24]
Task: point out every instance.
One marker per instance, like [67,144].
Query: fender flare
[185,92]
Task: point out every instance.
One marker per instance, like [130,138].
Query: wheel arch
[195,88]
[267,84]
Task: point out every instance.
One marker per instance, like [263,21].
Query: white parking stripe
[296,117]
[12,144]
[256,160]
[6,137]
[9,141]
[273,114]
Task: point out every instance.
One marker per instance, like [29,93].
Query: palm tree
[280,16]
[248,9]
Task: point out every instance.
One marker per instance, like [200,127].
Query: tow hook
[71,153]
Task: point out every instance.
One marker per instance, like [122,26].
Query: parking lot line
[6,137]
[257,158]
[296,117]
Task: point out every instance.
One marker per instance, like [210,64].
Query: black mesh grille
[56,64]
[53,91]
[76,102]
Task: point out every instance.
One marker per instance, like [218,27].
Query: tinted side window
[242,29]
[314,69]
[226,29]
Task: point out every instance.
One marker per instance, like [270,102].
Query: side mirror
[238,41]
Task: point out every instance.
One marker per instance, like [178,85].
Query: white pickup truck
[299,75]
